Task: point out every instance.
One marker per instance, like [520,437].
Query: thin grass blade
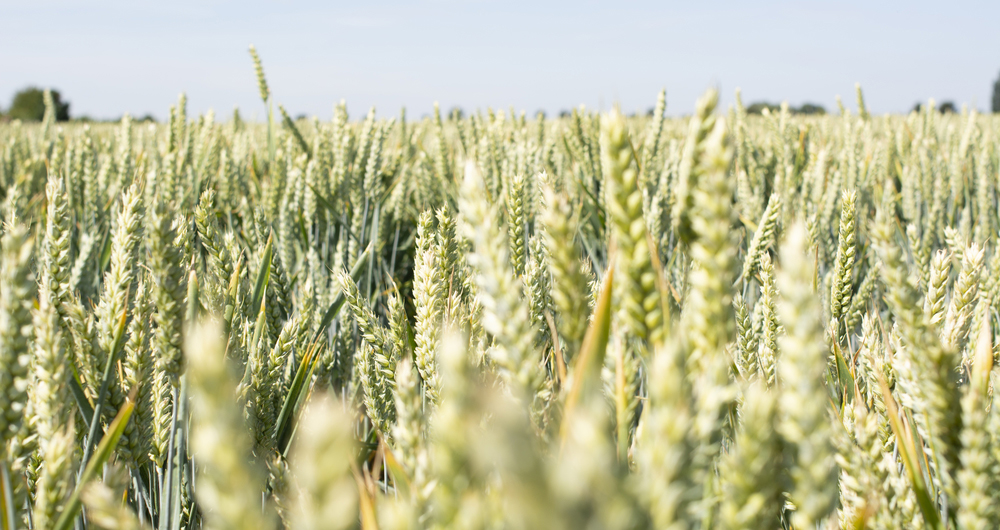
[104,451]
[587,367]
[7,509]
[262,276]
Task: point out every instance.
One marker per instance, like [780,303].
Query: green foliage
[996,96]
[805,108]
[29,105]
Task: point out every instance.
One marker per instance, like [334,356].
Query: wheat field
[499,321]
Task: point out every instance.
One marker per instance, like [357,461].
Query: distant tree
[148,118]
[565,113]
[810,108]
[806,108]
[758,107]
[947,107]
[456,113]
[29,105]
[996,95]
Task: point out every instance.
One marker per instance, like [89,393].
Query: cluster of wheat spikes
[721,321]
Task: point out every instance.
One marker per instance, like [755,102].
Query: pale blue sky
[115,56]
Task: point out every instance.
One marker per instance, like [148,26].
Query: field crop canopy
[738,320]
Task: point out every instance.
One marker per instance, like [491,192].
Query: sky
[111,57]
